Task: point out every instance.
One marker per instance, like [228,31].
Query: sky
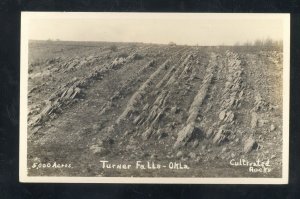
[189,29]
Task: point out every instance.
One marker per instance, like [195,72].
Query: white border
[25,18]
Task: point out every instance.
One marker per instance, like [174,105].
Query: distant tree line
[262,42]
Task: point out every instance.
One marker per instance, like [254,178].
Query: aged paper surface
[154,98]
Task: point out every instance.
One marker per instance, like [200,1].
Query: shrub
[113,48]
[172,44]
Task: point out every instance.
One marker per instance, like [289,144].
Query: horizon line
[250,43]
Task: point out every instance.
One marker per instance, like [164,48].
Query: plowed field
[203,107]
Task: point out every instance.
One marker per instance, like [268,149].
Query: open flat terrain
[202,107]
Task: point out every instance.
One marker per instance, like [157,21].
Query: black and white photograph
[191,98]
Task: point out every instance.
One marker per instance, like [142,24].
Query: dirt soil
[202,108]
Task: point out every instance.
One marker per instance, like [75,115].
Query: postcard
[176,98]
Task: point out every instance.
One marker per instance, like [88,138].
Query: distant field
[128,102]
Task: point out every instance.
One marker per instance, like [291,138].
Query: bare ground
[123,102]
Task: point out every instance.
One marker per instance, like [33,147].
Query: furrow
[69,93]
[187,132]
[141,92]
